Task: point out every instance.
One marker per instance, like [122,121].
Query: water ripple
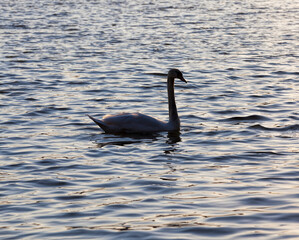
[231,172]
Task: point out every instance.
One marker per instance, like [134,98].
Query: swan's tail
[100,123]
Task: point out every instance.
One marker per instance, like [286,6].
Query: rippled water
[231,173]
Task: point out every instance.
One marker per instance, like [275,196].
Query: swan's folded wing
[134,122]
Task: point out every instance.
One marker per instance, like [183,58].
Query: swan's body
[140,123]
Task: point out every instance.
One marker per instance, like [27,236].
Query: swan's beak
[183,79]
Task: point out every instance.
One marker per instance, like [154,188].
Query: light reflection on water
[232,171]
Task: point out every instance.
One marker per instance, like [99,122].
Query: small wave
[50,182]
[157,74]
[117,143]
[263,153]
[77,83]
[226,112]
[261,96]
[70,197]
[284,73]
[14,26]
[260,76]
[262,201]
[248,118]
[46,110]
[294,127]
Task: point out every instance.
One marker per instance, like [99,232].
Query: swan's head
[176,73]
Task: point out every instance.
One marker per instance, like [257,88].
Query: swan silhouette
[140,123]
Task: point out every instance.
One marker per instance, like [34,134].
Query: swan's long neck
[173,113]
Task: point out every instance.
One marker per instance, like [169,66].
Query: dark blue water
[231,173]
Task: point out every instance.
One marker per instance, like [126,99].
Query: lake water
[231,173]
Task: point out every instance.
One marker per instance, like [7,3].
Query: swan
[140,123]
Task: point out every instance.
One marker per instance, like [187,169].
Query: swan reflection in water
[118,140]
[140,123]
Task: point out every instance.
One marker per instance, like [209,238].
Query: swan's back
[134,122]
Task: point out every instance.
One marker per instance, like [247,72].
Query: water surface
[231,173]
